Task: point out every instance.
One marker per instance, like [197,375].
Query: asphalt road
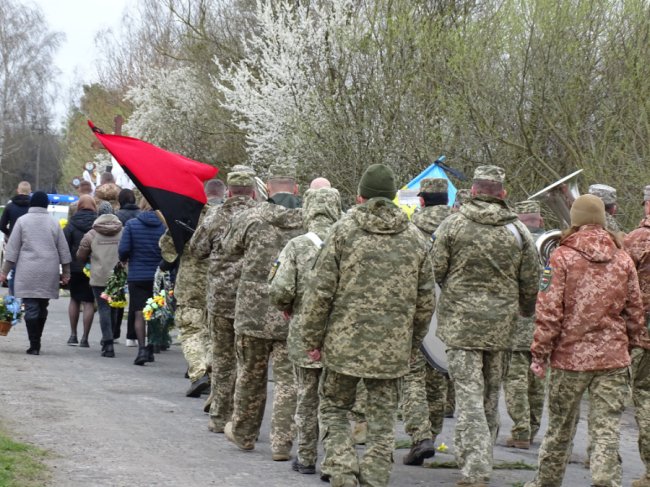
[110,423]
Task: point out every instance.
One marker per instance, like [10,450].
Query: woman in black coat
[81,294]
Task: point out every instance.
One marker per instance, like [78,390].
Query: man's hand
[287,315]
[538,370]
[314,355]
[65,280]
[3,277]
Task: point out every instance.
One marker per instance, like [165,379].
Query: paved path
[110,423]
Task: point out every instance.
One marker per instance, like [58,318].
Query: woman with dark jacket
[128,208]
[139,246]
[80,292]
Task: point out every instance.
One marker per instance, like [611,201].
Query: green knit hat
[378,181]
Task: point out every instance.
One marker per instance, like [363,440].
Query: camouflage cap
[527,206]
[433,185]
[242,168]
[490,173]
[604,192]
[281,171]
[241,179]
[646,193]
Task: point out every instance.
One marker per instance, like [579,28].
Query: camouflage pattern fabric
[437,387]
[306,418]
[337,394]
[194,339]
[287,279]
[486,275]
[637,245]
[358,412]
[224,369]
[429,218]
[477,377]
[524,393]
[608,391]
[253,356]
[611,223]
[590,309]
[414,406]
[641,398]
[259,234]
[450,406]
[223,269]
[351,298]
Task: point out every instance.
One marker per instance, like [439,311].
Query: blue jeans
[105,314]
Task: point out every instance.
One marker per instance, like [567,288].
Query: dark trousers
[139,292]
[105,315]
[118,314]
[35,317]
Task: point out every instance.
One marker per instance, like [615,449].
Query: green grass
[21,465]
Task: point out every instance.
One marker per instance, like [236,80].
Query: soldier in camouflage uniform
[524,391]
[362,328]
[637,245]
[486,264]
[425,389]
[190,315]
[608,195]
[223,277]
[589,314]
[462,197]
[259,235]
[321,209]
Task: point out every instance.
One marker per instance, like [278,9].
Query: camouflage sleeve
[634,247]
[200,243]
[550,310]
[322,283]
[528,275]
[167,249]
[234,241]
[283,278]
[442,251]
[633,313]
[426,303]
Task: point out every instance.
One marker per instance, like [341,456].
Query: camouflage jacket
[429,218]
[191,278]
[259,235]
[223,269]
[637,244]
[525,326]
[485,262]
[370,296]
[321,209]
[589,309]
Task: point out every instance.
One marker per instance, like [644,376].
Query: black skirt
[80,289]
[139,292]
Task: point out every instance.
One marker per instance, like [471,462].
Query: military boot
[642,482]
[359,433]
[521,444]
[421,450]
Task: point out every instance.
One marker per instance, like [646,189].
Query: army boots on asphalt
[420,451]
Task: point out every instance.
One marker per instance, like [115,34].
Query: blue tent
[434,171]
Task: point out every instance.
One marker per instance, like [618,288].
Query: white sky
[76,58]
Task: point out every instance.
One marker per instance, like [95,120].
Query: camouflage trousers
[195,338]
[358,412]
[524,393]
[414,405]
[608,391]
[477,377]
[253,356]
[437,387]
[307,380]
[641,397]
[224,368]
[337,397]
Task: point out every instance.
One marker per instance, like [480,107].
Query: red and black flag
[170,182]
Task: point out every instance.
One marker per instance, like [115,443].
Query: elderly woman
[36,249]
[80,292]
[589,314]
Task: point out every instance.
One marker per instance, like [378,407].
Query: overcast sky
[79,20]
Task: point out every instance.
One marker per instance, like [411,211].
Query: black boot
[150,353]
[142,357]
[108,350]
[34,334]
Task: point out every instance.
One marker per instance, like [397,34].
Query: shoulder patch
[545,280]
[274,269]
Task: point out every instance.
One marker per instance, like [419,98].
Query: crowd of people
[339,302]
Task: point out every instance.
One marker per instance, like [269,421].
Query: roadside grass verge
[21,465]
